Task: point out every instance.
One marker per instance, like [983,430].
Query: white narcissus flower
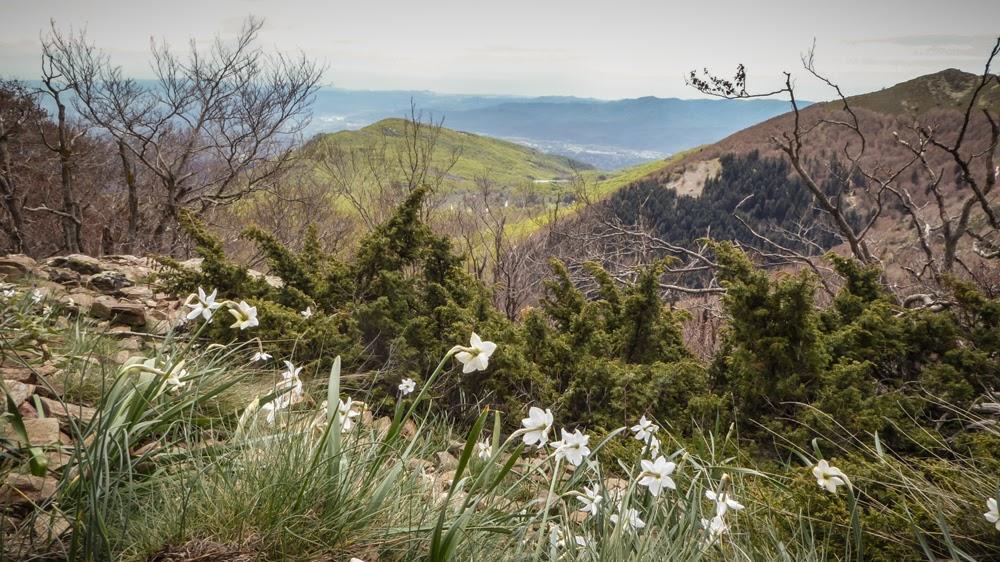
[246,316]
[291,378]
[537,426]
[203,305]
[654,446]
[631,518]
[174,380]
[478,356]
[294,392]
[656,475]
[723,502]
[558,541]
[829,477]
[484,450]
[346,415]
[573,447]
[260,356]
[406,386]
[36,296]
[591,498]
[992,512]
[8,293]
[307,313]
[715,526]
[645,429]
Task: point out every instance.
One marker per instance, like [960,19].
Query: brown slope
[936,101]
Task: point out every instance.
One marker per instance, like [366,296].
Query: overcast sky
[606,49]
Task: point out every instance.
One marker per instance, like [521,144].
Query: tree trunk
[71,222]
[8,198]
[131,237]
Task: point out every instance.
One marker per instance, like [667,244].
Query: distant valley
[606,134]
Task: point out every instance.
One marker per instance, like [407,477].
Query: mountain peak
[947,89]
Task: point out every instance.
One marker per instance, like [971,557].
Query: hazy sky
[605,49]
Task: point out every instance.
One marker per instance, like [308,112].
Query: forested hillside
[875,161]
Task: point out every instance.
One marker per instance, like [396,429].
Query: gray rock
[102,306]
[16,266]
[77,262]
[63,276]
[109,281]
[445,460]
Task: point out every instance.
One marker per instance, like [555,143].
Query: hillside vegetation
[935,102]
[474,156]
[838,432]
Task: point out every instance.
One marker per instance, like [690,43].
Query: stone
[65,412]
[415,464]
[63,276]
[52,386]
[41,432]
[17,374]
[50,527]
[381,426]
[108,308]
[444,480]
[159,322]
[139,293]
[57,458]
[409,429]
[129,314]
[109,281]
[47,369]
[18,392]
[445,460]
[16,266]
[130,344]
[78,301]
[27,411]
[77,262]
[22,489]
[101,307]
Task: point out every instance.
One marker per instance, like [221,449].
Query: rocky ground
[120,296]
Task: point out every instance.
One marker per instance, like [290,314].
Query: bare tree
[64,146]
[882,185]
[212,128]
[17,110]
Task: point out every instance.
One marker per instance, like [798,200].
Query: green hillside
[506,163]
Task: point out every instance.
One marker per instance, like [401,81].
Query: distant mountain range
[605,134]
